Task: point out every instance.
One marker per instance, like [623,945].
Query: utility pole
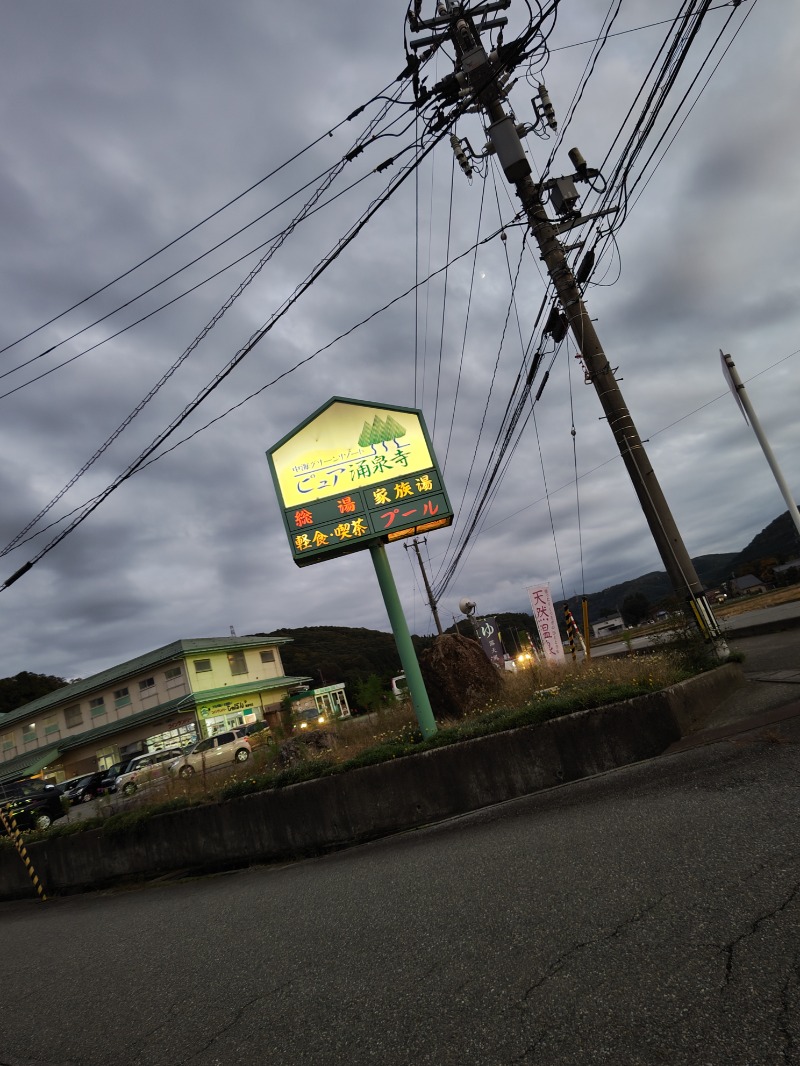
[482,77]
[431,600]
[740,392]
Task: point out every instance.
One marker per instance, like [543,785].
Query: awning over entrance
[27,765]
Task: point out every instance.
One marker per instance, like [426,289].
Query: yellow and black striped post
[10,824]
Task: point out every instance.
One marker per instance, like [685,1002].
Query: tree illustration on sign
[381,430]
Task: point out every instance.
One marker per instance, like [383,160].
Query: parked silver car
[146,768]
[213,752]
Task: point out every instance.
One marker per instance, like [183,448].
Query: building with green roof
[167,698]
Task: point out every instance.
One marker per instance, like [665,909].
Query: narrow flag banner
[545,614]
[486,629]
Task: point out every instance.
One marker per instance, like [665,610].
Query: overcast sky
[122,126]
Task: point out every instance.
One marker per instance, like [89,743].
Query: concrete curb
[334,812]
[777,625]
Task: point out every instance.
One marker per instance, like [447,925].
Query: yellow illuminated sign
[349,446]
[354,474]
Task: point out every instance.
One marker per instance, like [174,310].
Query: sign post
[357,475]
[402,638]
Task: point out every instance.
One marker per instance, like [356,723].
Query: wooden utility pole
[431,599]
[483,76]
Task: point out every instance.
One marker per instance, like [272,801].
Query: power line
[274,246]
[634,29]
[276,170]
[186,292]
[321,267]
[653,433]
[274,381]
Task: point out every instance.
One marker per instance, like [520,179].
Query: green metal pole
[402,638]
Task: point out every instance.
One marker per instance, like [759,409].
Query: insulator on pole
[585,268]
[460,155]
[548,111]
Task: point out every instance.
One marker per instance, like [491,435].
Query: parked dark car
[255,727]
[32,804]
[86,788]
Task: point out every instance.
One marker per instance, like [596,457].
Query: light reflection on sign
[349,445]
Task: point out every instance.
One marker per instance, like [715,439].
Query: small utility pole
[737,388]
[431,599]
[482,77]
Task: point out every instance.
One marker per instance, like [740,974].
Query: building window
[106,757]
[202,666]
[172,673]
[267,656]
[149,682]
[9,746]
[97,706]
[122,697]
[73,715]
[174,738]
[29,733]
[237,662]
[52,728]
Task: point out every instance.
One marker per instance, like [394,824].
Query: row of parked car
[31,803]
[36,805]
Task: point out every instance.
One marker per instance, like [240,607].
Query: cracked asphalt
[646,916]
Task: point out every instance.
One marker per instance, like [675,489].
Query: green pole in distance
[402,638]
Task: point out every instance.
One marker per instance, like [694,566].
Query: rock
[297,748]
[458,676]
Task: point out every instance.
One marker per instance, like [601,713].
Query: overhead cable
[320,269]
[274,246]
[328,133]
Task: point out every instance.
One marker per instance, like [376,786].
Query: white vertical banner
[545,614]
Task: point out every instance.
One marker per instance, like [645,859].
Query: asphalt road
[647,916]
[749,621]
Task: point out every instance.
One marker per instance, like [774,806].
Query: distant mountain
[655,586]
[332,654]
[777,542]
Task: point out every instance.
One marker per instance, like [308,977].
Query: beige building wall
[138,692]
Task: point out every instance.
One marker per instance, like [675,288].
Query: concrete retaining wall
[332,812]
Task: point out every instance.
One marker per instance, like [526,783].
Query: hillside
[24,687]
[332,654]
[655,586]
[777,542]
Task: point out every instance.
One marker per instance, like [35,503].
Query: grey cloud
[119,129]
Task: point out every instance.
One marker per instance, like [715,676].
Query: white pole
[738,390]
